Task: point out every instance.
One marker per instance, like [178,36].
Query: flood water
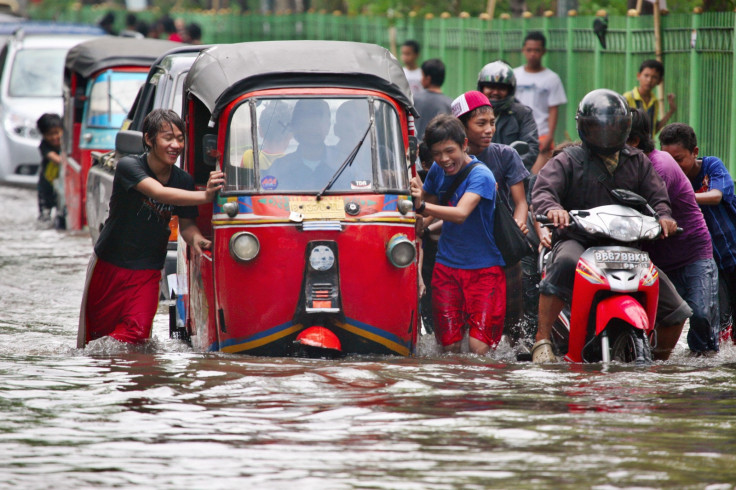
[168,417]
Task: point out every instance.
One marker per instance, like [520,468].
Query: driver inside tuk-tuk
[312,163]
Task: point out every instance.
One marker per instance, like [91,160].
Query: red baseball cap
[468,102]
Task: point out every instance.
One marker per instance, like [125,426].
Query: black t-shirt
[45,148]
[136,232]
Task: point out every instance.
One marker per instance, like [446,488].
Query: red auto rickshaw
[314,246]
[101,80]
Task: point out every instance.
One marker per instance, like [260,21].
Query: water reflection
[166,417]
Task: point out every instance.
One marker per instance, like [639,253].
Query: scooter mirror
[628,198]
[521,147]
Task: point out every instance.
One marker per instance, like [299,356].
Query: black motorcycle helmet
[497,72]
[603,121]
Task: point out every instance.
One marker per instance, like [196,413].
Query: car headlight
[401,251]
[321,258]
[244,246]
[19,125]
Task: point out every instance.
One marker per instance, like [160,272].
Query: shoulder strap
[578,155]
[456,183]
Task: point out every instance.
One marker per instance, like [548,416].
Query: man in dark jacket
[514,120]
[580,178]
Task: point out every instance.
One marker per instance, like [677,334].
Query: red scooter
[616,288]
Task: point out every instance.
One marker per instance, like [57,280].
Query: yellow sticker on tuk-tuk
[311,208]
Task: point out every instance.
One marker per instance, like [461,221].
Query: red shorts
[473,297]
[121,303]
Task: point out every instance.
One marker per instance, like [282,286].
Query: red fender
[623,307]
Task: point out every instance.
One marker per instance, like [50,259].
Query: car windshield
[37,73]
[110,98]
[301,142]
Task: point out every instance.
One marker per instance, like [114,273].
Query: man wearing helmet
[514,120]
[581,177]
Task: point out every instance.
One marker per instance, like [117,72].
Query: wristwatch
[421,207]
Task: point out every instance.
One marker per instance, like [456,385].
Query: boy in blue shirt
[714,193]
[468,283]
[476,113]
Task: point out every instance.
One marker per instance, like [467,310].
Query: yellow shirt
[633,97]
[264,159]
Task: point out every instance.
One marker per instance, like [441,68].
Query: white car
[31,84]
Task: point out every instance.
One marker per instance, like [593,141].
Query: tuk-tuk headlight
[244,246]
[401,251]
[321,258]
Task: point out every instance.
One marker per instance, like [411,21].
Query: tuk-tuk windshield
[111,96]
[301,143]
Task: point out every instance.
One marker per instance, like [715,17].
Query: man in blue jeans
[714,193]
[687,258]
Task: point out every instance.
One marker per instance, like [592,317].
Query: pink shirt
[694,243]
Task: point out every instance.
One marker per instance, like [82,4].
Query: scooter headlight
[624,229]
[652,232]
[244,246]
[401,251]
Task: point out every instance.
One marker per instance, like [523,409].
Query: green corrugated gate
[698,53]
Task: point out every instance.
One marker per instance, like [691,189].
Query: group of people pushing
[467,171]
[470,285]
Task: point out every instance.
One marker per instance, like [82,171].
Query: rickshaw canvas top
[224,72]
[97,54]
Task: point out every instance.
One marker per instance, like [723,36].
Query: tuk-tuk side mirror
[209,150]
[413,148]
[129,142]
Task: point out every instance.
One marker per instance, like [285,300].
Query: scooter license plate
[325,208]
[621,260]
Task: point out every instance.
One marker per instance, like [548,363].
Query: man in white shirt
[410,60]
[541,89]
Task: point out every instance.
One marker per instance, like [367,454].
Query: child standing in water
[50,127]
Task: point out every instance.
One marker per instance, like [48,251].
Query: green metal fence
[698,54]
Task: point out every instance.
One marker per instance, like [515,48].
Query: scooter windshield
[295,145]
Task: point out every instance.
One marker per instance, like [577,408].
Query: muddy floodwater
[166,417]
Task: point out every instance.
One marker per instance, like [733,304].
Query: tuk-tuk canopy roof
[97,54]
[222,73]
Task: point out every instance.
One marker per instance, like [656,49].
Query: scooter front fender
[624,308]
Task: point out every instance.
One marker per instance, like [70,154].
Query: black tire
[631,345]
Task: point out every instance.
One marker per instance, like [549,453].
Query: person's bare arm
[189,231]
[457,214]
[712,197]
[54,157]
[521,207]
[180,197]
[545,236]
[554,113]
[422,288]
[672,109]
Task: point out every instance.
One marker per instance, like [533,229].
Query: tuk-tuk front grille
[322,298]
[323,291]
